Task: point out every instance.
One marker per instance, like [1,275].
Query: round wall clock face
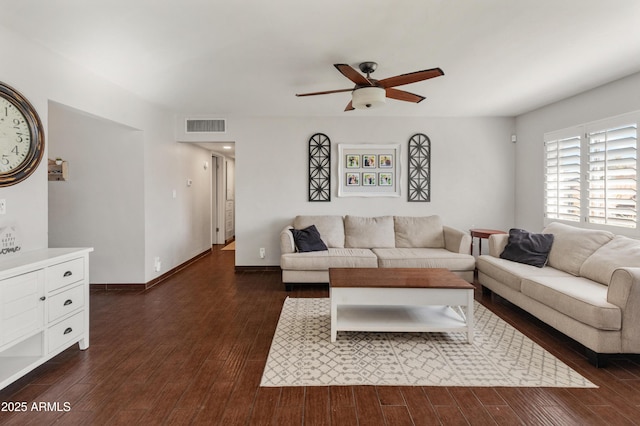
[21,137]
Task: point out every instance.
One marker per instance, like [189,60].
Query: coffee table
[400,300]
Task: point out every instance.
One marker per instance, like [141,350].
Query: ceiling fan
[371,93]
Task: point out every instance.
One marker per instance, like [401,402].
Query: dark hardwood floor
[191,351]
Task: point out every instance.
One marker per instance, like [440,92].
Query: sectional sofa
[373,242]
[589,288]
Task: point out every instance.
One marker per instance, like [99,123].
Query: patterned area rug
[302,354]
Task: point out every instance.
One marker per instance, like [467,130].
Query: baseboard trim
[153,282]
[119,287]
[177,269]
[257,268]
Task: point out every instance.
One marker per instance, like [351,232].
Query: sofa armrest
[497,243]
[287,245]
[456,241]
[624,292]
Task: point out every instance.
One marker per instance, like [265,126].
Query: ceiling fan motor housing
[368,67]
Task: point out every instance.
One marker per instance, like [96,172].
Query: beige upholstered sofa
[372,242]
[588,290]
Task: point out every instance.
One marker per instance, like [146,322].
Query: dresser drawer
[66,331]
[64,274]
[66,302]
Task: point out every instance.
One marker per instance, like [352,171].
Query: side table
[480,234]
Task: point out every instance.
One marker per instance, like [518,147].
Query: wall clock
[21,137]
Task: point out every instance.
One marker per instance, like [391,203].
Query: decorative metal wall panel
[319,168]
[419,168]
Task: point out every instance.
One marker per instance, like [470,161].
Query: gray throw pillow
[308,239]
[528,248]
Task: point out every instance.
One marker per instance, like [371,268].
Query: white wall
[175,229]
[27,201]
[472,174]
[101,205]
[606,101]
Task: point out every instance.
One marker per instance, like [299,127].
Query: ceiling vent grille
[206,125]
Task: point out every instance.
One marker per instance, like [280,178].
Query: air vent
[207,125]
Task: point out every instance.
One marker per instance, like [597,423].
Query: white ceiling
[250,57]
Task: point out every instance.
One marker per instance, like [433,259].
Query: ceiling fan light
[368,97]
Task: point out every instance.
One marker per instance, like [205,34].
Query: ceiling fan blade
[411,77]
[352,74]
[349,106]
[401,95]
[326,92]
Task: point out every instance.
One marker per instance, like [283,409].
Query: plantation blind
[562,177]
[612,175]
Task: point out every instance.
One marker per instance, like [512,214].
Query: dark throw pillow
[525,247]
[308,239]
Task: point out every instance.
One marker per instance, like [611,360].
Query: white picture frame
[386,164]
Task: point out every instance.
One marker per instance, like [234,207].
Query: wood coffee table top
[396,278]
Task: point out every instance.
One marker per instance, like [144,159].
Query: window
[591,173]
[612,175]
[563,178]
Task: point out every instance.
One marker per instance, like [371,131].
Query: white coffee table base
[401,310]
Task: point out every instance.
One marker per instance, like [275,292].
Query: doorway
[222,199]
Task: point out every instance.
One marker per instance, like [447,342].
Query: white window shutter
[612,175]
[562,177]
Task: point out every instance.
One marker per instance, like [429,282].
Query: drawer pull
[68,302]
[68,330]
[43,298]
[68,274]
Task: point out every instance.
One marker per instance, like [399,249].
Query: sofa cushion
[572,246]
[424,258]
[511,273]
[528,248]
[352,258]
[619,252]
[332,258]
[369,232]
[308,239]
[577,297]
[426,231]
[331,228]
[310,261]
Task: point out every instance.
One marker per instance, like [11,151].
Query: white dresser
[44,307]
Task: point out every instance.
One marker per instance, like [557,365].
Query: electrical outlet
[157,264]
[3,206]
[263,253]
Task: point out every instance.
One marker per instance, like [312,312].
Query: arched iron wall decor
[319,168]
[419,168]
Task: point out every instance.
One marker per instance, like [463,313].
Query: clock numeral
[19,138]
[15,150]
[4,161]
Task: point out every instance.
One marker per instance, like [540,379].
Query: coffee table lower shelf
[383,318]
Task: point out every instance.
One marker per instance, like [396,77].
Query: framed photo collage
[369,170]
